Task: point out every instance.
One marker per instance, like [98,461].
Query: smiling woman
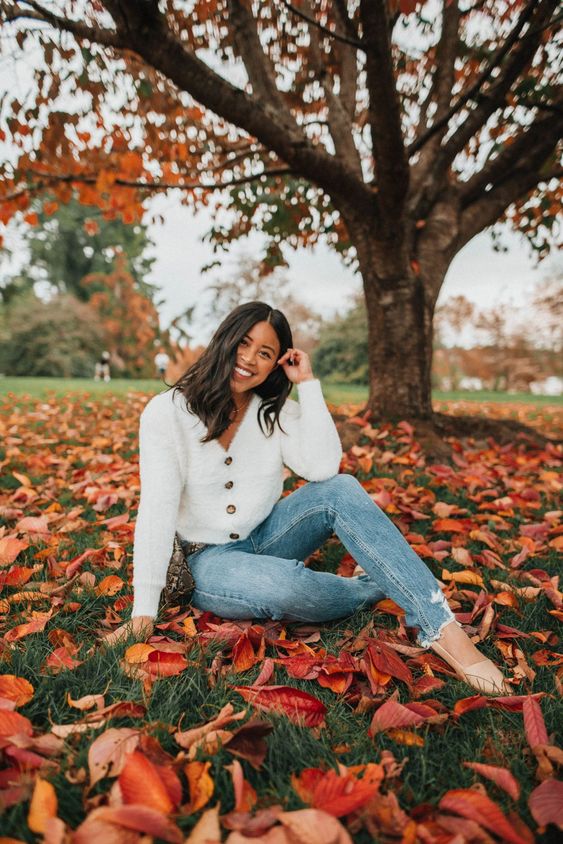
[213,526]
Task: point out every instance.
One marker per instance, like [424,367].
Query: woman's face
[257,356]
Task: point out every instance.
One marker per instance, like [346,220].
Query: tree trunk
[399,348]
[400,308]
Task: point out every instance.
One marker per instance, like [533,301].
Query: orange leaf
[164,664]
[138,653]
[313,826]
[201,785]
[38,623]
[336,794]
[15,688]
[534,725]
[481,809]
[43,805]
[110,585]
[451,525]
[140,783]
[546,803]
[466,576]
[12,723]
[243,653]
[10,548]
[298,706]
[500,776]
[406,737]
[100,825]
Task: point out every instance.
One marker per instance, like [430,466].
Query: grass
[54,443]
[334,392]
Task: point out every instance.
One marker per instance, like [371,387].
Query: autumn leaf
[393,714]
[298,706]
[546,803]
[102,824]
[140,783]
[17,689]
[534,725]
[12,723]
[481,809]
[200,784]
[43,805]
[500,776]
[337,794]
[109,751]
[313,826]
[245,795]
[10,548]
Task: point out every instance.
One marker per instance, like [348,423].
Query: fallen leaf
[298,706]
[17,689]
[43,805]
[500,776]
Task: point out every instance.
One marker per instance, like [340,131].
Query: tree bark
[400,307]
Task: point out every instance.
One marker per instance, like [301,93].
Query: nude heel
[483,675]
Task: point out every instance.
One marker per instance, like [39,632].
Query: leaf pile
[221,730]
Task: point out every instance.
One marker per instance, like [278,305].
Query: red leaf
[481,809]
[337,794]
[546,803]
[393,714]
[500,776]
[534,725]
[297,705]
[387,662]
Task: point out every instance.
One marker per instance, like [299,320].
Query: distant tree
[254,280]
[342,350]
[60,338]
[71,241]
[129,319]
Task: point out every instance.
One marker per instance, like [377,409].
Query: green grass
[335,393]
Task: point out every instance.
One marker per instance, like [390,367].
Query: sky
[318,276]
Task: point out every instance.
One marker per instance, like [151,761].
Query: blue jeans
[263,576]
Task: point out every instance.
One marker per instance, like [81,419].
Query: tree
[60,338]
[71,241]
[342,350]
[394,133]
[128,318]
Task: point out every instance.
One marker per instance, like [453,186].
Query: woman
[212,452]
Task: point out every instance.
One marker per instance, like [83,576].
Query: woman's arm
[161,486]
[311,446]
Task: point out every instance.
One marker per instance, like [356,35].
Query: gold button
[229,484]
[234,535]
[228,460]
[231,508]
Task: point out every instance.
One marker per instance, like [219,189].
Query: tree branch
[105,37]
[384,111]
[534,143]
[257,64]
[489,208]
[475,89]
[538,12]
[352,42]
[48,179]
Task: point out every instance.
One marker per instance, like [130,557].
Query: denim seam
[318,508]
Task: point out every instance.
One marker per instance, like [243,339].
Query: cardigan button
[231,508]
[234,535]
[228,460]
[229,484]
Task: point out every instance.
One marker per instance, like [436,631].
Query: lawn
[342,727]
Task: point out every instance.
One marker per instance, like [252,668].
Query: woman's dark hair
[206,384]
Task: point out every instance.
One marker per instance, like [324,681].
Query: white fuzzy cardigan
[215,495]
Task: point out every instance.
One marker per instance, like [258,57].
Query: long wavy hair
[206,384]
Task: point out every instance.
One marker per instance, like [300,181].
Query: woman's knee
[342,485]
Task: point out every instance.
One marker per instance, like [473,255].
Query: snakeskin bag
[180,584]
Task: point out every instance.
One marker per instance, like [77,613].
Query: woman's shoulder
[164,405]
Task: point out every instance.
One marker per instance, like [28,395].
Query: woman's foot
[456,648]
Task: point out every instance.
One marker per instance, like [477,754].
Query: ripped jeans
[263,576]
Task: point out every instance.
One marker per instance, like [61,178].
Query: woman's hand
[301,369]
[141,627]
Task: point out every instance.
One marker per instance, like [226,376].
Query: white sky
[318,276]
